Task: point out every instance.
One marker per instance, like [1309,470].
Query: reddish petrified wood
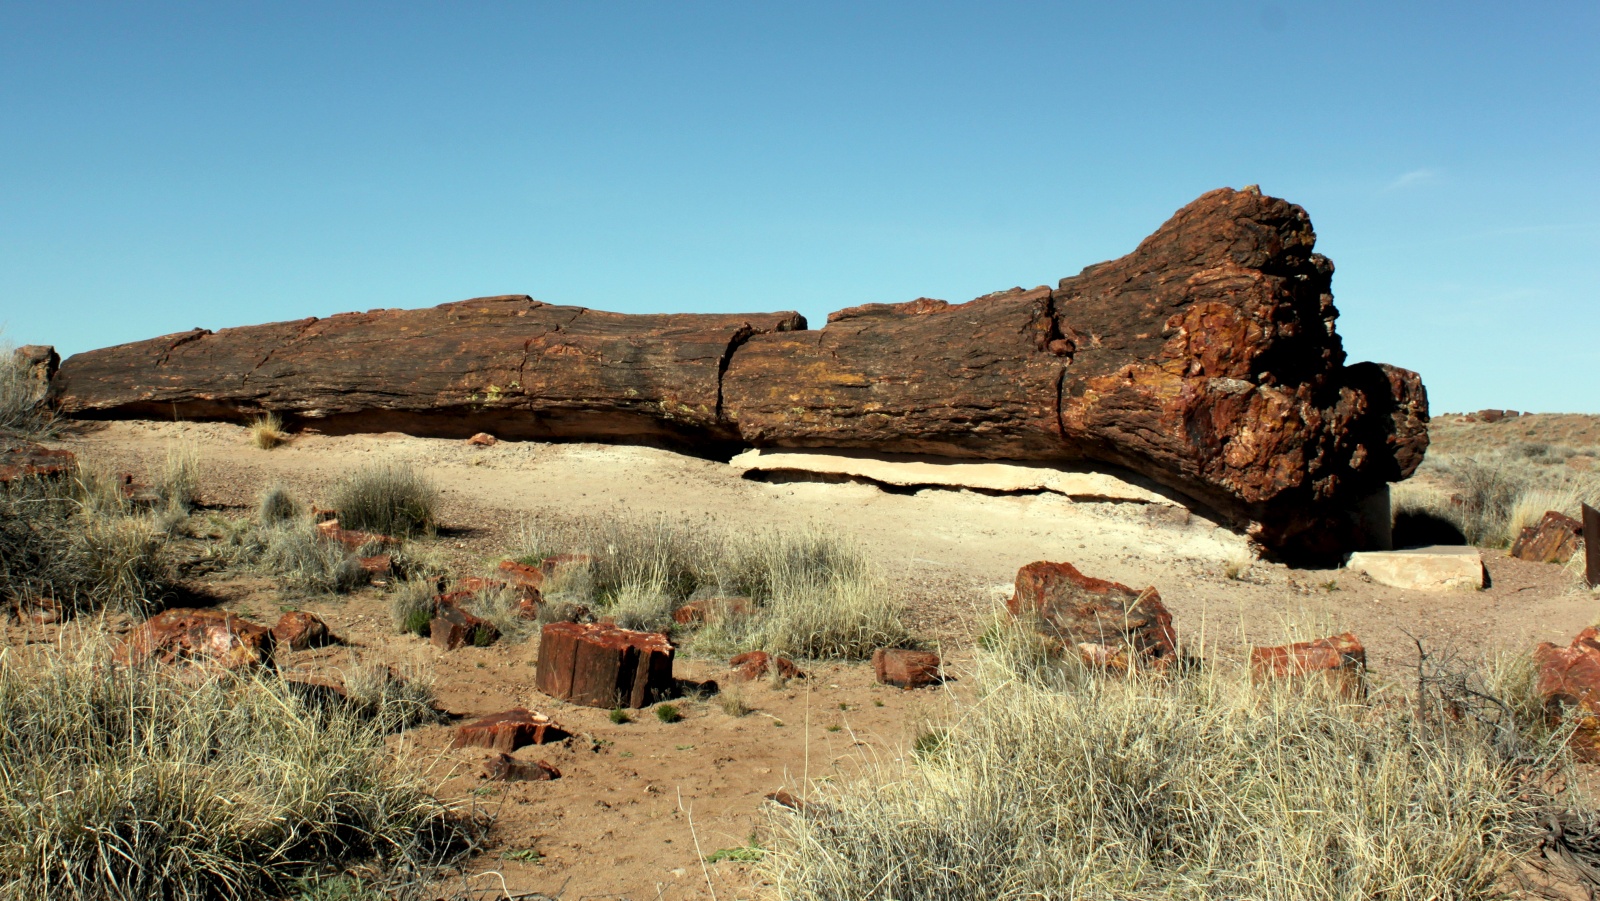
[483,439]
[505,768]
[1554,539]
[1109,624]
[453,627]
[1340,659]
[711,610]
[209,635]
[1206,359]
[353,540]
[753,665]
[600,665]
[509,731]
[1570,677]
[19,459]
[906,668]
[299,630]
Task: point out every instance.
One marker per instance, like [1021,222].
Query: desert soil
[639,805]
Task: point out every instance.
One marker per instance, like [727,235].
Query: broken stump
[906,669]
[601,665]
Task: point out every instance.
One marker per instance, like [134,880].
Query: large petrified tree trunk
[1206,360]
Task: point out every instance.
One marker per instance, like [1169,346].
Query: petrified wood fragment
[600,665]
[1106,623]
[1206,360]
[508,731]
[1340,659]
[20,459]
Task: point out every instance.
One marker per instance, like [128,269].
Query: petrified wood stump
[600,665]
[508,731]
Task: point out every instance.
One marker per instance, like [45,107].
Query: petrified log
[1205,360]
[600,665]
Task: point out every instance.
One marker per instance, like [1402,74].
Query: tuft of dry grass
[1491,495]
[391,498]
[1059,782]
[76,545]
[134,783]
[814,594]
[266,431]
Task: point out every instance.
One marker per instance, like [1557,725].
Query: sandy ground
[641,804]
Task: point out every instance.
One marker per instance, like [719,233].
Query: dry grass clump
[389,498]
[304,559]
[278,505]
[75,545]
[1072,784]
[815,594]
[1490,496]
[266,431]
[136,783]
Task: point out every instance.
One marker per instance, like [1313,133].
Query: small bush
[131,783]
[387,498]
[668,713]
[620,716]
[389,700]
[179,485]
[413,605]
[815,595]
[500,607]
[59,546]
[277,505]
[733,703]
[295,552]
[266,431]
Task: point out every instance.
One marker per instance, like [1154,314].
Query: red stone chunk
[1554,539]
[1340,659]
[753,665]
[906,668]
[1570,677]
[19,459]
[1108,624]
[209,635]
[453,627]
[299,630]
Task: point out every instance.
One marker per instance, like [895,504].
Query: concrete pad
[912,471]
[1437,568]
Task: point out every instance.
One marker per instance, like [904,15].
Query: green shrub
[137,783]
[620,716]
[668,713]
[387,498]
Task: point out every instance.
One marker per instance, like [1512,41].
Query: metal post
[1591,545]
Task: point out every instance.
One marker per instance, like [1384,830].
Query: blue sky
[166,166]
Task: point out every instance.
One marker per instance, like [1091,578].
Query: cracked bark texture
[1206,359]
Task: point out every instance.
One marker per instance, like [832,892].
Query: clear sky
[166,166]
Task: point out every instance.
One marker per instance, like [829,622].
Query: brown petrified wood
[1553,539]
[1340,659]
[906,668]
[300,630]
[452,627]
[753,665]
[1206,360]
[508,731]
[503,767]
[208,635]
[20,459]
[600,665]
[1107,623]
[1569,678]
